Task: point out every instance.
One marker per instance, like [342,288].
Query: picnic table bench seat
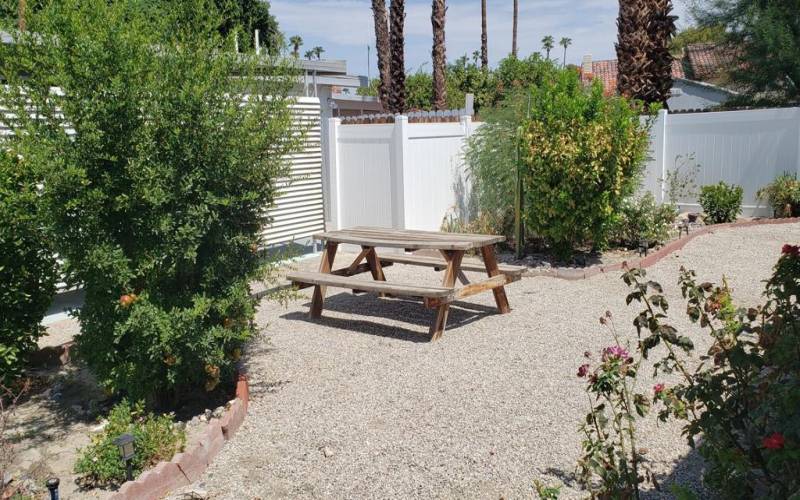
[439,293]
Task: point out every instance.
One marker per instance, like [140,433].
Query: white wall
[405,175]
[749,148]
[410,175]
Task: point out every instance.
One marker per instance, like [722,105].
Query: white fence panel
[749,148]
[404,175]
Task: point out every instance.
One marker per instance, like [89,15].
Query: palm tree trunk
[564,61]
[382,48]
[484,38]
[514,29]
[438,10]
[397,91]
[21,14]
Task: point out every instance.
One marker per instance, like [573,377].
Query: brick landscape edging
[187,467]
[649,260]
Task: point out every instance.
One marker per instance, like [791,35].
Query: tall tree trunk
[633,46]
[21,14]
[514,29]
[382,48]
[644,61]
[662,29]
[438,10]
[397,91]
[484,38]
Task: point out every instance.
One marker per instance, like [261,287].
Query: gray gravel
[360,405]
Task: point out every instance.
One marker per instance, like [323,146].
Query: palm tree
[318,51]
[565,42]
[662,29]
[548,43]
[296,42]
[382,47]
[438,10]
[309,54]
[484,38]
[514,29]
[397,42]
[645,29]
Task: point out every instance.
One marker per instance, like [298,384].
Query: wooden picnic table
[451,247]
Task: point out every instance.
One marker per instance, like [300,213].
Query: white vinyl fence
[401,174]
[410,175]
[749,148]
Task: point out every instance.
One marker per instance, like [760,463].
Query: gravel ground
[360,405]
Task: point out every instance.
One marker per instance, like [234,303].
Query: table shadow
[371,309]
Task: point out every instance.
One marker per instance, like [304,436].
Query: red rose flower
[774,441]
[792,250]
[583,370]
[658,389]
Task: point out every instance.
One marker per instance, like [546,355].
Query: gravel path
[360,405]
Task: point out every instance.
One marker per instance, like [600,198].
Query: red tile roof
[702,62]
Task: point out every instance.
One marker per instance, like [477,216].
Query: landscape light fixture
[644,246]
[126,452]
[52,485]
[683,228]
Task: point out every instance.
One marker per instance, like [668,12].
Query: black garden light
[126,452]
[683,228]
[644,246]
[52,485]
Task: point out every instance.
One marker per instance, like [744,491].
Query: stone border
[187,467]
[649,260]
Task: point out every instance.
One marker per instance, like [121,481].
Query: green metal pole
[519,233]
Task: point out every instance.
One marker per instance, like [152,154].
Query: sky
[344,28]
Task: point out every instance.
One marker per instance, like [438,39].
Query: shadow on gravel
[396,309]
[687,473]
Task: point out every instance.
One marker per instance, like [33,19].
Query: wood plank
[481,286]
[374,265]
[325,265]
[409,239]
[347,271]
[491,269]
[449,280]
[435,262]
[401,289]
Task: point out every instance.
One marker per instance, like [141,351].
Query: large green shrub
[783,195]
[27,264]
[155,439]
[159,197]
[583,154]
[721,202]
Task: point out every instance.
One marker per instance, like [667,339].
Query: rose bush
[742,398]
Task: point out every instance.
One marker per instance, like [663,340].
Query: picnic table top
[408,238]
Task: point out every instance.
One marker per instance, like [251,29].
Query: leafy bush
[156,439]
[583,154]
[27,266]
[721,202]
[741,399]
[783,195]
[642,219]
[159,197]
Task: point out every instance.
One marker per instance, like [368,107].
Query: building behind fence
[411,175]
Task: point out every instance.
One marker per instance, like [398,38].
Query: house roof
[702,62]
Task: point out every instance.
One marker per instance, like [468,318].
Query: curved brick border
[673,246]
[187,467]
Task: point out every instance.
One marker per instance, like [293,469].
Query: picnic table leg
[325,266]
[453,269]
[375,266]
[490,261]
